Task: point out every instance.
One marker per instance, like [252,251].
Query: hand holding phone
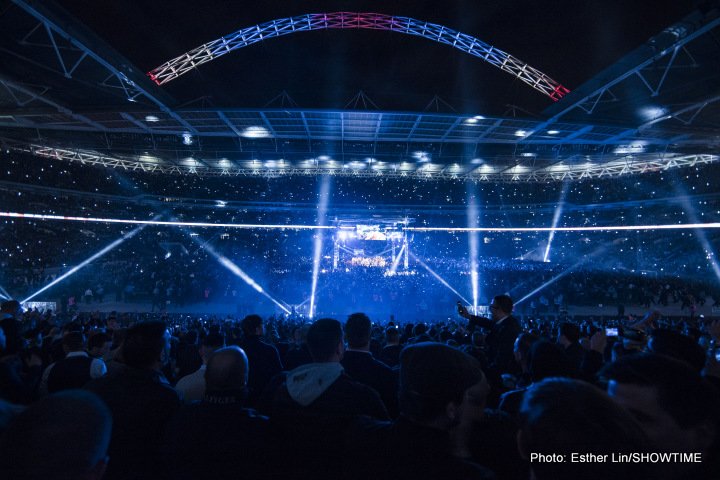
[462,311]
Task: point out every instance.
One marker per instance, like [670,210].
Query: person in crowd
[188,357]
[504,329]
[99,344]
[390,354]
[678,346]
[299,353]
[360,364]
[491,441]
[64,436]
[322,386]
[73,371]
[440,389]
[19,375]
[141,402]
[219,435]
[192,387]
[9,312]
[563,419]
[264,358]
[311,407]
[569,339]
[420,334]
[521,352]
[546,360]
[674,404]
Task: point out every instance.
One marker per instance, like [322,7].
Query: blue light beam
[601,249]
[473,243]
[86,262]
[237,271]
[396,260]
[439,278]
[556,219]
[323,200]
[710,253]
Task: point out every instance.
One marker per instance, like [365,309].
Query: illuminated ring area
[182,64]
[166,223]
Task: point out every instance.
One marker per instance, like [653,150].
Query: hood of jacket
[307,382]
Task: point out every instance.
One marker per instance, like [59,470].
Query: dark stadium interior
[373,240]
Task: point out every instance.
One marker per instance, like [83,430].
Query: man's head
[678,346]
[521,349]
[357,331]
[325,340]
[226,372]
[440,386]
[501,307]
[252,325]
[63,436]
[99,344]
[569,333]
[549,360]
[562,416]
[73,342]
[392,335]
[676,407]
[144,345]
[211,343]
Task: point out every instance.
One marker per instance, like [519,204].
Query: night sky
[570,41]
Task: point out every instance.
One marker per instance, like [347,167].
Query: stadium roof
[65,93]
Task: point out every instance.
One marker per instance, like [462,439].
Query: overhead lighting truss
[627,165]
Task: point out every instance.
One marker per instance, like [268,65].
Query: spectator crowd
[135,396]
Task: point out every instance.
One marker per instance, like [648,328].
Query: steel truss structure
[654,71]
[72,53]
[182,64]
[593,131]
[484,173]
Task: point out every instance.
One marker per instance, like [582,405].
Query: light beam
[556,219]
[323,200]
[237,271]
[710,253]
[439,278]
[396,260]
[86,262]
[601,249]
[473,243]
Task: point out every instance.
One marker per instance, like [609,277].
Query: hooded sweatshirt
[307,382]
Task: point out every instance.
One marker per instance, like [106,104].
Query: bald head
[227,371]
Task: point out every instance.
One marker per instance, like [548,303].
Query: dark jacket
[404,450]
[264,363]
[68,373]
[500,342]
[141,404]
[362,367]
[217,438]
[390,355]
[310,437]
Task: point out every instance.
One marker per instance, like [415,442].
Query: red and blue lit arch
[182,64]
